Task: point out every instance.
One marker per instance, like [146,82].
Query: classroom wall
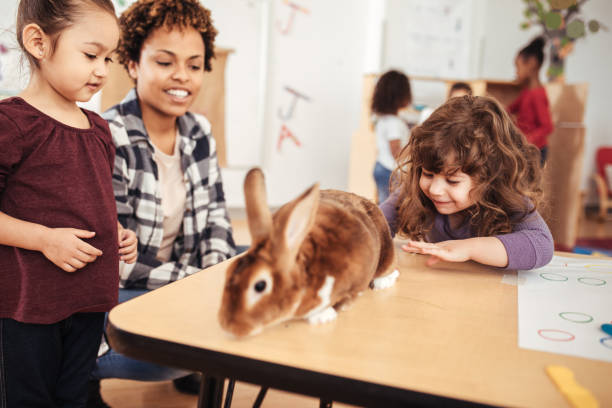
[324,56]
[321,52]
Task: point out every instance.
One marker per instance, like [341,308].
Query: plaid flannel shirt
[206,234]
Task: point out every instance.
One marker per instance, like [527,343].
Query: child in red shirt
[531,108]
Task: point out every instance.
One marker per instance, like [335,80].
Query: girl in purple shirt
[469,189]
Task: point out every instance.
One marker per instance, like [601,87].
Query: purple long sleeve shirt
[529,246]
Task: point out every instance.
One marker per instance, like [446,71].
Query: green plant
[561,25]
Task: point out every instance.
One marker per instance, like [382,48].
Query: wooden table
[442,336]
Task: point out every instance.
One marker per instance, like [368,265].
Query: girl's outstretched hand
[64,247]
[451,251]
[128,245]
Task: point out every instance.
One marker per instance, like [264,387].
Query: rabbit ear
[258,213]
[295,223]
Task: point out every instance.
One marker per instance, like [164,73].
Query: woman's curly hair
[145,16]
[475,135]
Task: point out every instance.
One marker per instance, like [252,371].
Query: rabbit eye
[260,286]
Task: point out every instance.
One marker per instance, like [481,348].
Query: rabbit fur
[313,256]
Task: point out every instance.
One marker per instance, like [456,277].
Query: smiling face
[170,71]
[449,192]
[78,67]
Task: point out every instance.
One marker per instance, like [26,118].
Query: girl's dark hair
[391,93]
[460,86]
[145,16]
[53,16]
[534,49]
[473,134]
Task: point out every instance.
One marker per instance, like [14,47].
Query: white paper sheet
[562,306]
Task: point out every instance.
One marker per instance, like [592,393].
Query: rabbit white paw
[386,281]
[326,315]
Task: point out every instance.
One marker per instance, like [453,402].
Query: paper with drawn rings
[562,306]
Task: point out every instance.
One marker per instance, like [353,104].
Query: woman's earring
[41,52]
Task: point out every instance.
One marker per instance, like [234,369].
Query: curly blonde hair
[145,16]
[475,135]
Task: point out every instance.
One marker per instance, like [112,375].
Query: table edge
[278,376]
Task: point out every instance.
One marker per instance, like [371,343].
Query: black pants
[543,155]
[48,365]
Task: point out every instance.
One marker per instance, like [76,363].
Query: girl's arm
[389,209]
[395,146]
[529,246]
[62,246]
[484,250]
[128,244]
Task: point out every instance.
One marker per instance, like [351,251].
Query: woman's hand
[65,248]
[128,245]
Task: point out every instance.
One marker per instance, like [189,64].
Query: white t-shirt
[388,128]
[173,197]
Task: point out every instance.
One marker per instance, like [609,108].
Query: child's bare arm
[62,246]
[484,250]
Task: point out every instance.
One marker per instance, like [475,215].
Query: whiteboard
[429,38]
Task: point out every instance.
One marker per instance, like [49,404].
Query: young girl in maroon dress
[60,245]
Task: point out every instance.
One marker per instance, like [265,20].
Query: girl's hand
[128,244]
[451,251]
[64,248]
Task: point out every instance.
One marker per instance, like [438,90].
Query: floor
[136,394]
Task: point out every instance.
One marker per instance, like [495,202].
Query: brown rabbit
[317,253]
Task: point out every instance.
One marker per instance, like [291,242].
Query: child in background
[470,186]
[457,89]
[59,251]
[391,94]
[531,106]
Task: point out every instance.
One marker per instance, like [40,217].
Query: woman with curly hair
[470,186]
[166,179]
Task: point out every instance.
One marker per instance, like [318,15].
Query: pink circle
[548,334]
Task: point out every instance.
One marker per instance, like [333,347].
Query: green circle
[575,29]
[562,315]
[552,275]
[582,280]
[552,20]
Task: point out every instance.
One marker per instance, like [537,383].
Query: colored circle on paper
[592,281]
[553,277]
[556,335]
[576,317]
[606,342]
